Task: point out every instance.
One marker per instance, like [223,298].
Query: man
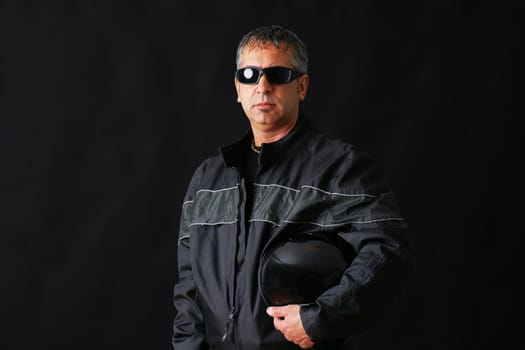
[283,178]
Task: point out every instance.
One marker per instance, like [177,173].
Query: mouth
[264,105]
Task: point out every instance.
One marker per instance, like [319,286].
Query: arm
[379,236]
[369,286]
[188,326]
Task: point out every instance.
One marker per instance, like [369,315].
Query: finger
[278,324]
[276,312]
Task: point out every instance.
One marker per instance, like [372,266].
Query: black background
[106,108]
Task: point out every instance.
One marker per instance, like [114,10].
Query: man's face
[270,106]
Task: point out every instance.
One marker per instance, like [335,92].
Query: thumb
[276,311]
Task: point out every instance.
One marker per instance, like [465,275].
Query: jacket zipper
[228,329]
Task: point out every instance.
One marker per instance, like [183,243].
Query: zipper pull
[229,323]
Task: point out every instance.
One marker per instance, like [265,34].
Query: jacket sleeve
[188,326]
[375,278]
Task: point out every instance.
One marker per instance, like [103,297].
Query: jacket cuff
[310,318]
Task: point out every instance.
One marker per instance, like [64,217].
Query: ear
[303,86]
[237,87]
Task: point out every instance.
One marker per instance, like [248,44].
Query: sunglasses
[274,75]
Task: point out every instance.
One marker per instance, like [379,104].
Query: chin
[265,118]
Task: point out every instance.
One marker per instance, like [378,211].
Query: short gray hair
[278,36]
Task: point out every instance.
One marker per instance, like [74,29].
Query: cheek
[245,93]
[244,98]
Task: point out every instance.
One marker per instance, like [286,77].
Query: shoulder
[211,163]
[345,164]
[212,174]
[208,167]
[326,147]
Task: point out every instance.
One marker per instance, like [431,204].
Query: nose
[263,86]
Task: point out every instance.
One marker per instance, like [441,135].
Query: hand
[287,320]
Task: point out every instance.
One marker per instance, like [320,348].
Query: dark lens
[274,75]
[248,75]
[278,75]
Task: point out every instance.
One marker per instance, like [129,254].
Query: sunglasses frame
[292,75]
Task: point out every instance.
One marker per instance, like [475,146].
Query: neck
[269,136]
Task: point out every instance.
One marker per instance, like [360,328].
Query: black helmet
[299,269]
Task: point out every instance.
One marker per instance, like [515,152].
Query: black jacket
[306,183]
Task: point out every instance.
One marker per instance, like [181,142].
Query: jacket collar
[270,152]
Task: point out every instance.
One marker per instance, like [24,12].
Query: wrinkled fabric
[306,184]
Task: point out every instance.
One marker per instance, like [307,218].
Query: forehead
[266,55]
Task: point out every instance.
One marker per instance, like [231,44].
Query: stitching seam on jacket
[327,225]
[317,189]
